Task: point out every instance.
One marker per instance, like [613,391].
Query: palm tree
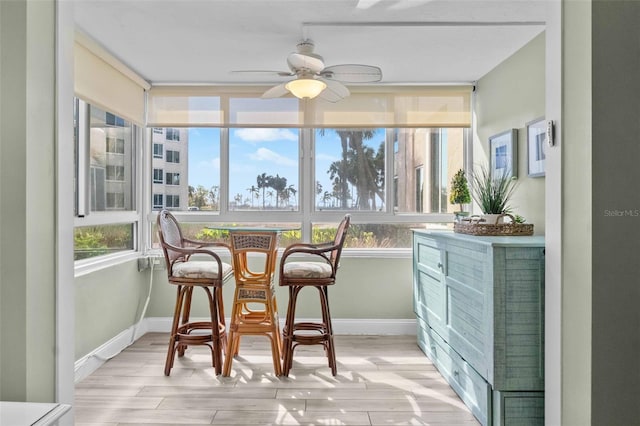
[270,195]
[213,195]
[279,184]
[263,182]
[326,197]
[253,192]
[291,190]
[359,167]
[318,188]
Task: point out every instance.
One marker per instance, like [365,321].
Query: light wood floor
[382,380]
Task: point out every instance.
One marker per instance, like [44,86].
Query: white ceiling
[413,41]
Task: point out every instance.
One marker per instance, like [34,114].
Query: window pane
[91,241]
[434,156]
[373,235]
[188,176]
[111,161]
[209,232]
[263,169]
[157,148]
[350,169]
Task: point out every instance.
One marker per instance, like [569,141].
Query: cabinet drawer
[518,408]
[428,256]
[428,283]
[474,391]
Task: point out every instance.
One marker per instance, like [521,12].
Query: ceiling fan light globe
[305,87]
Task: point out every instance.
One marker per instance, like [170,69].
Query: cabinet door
[428,279]
[519,312]
[468,292]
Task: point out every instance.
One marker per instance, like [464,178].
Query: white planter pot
[491,219]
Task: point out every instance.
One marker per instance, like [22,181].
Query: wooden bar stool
[187,274]
[318,271]
[254,311]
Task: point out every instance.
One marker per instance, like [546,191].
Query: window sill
[87,266]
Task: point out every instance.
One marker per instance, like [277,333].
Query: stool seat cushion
[307,270]
[200,269]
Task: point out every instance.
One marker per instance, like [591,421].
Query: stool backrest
[170,235]
[338,241]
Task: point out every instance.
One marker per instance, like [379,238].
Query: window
[158,150]
[157,201]
[157,175]
[106,214]
[115,145]
[350,166]
[344,171]
[173,156]
[287,161]
[172,135]
[114,120]
[173,201]
[263,169]
[115,200]
[157,131]
[173,178]
[115,173]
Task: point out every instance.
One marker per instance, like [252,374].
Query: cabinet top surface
[497,241]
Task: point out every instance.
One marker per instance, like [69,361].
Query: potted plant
[492,193]
[460,193]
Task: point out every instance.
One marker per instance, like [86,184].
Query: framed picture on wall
[503,158]
[536,147]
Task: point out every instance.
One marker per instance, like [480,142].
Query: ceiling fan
[313,79]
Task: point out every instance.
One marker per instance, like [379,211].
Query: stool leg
[274,335]
[216,346]
[326,319]
[232,338]
[221,320]
[287,341]
[174,331]
[186,314]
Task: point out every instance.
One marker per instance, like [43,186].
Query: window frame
[84,217]
[306,215]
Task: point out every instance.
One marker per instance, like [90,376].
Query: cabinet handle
[456,373]
[440,265]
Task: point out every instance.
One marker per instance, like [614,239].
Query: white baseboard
[92,361]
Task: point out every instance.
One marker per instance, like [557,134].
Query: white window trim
[85,218]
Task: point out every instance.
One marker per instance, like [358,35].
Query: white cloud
[266,135]
[264,154]
[208,164]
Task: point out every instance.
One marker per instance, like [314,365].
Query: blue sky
[256,151]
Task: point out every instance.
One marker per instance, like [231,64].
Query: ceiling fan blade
[275,92]
[353,73]
[334,91]
[298,61]
[280,73]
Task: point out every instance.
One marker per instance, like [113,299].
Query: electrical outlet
[157,262]
[143,263]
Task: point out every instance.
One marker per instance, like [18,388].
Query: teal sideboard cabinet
[479,303]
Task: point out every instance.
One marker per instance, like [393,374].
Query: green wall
[508,97]
[108,301]
[27,215]
[574,183]
[111,300]
[366,288]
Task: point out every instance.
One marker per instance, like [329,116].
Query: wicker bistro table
[254,312]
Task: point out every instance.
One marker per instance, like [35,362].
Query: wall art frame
[503,154]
